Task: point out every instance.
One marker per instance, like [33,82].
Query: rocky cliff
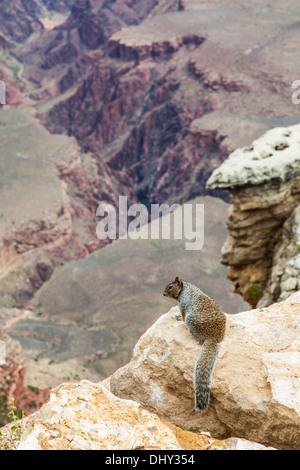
[47,208]
[148,87]
[19,21]
[262,248]
[255,390]
[157,93]
[87,416]
[150,405]
[148,93]
[148,98]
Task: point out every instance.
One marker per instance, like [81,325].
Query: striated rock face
[135,82]
[285,274]
[19,20]
[50,192]
[35,209]
[86,416]
[255,389]
[155,38]
[262,249]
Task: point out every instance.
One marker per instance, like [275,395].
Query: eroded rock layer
[262,248]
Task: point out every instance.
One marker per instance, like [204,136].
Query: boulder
[87,416]
[256,383]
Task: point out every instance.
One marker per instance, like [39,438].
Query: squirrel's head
[174,289]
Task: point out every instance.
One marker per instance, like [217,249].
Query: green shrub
[255,291]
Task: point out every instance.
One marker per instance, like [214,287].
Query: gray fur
[206,322]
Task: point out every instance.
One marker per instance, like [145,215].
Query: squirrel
[206,322]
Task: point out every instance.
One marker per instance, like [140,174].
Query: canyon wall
[160,94]
[262,248]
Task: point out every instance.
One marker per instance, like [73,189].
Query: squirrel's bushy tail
[204,368]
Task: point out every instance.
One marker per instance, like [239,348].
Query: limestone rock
[263,240]
[285,274]
[87,416]
[256,383]
[274,156]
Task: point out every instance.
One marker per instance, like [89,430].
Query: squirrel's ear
[179,282]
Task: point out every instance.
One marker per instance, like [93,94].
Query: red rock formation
[163,49]
[19,20]
[131,96]
[12,386]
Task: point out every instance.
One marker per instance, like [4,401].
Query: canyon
[146,100]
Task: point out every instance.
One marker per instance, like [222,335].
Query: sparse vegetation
[34,389]
[13,65]
[195,429]
[255,291]
[297,247]
[3,409]
[11,438]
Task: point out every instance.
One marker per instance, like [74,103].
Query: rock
[263,223]
[273,157]
[19,22]
[285,273]
[47,206]
[127,79]
[2,353]
[35,208]
[87,416]
[154,40]
[234,443]
[255,389]
[231,132]
[29,176]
